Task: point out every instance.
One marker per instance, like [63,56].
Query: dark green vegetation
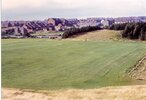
[131,30]
[41,33]
[55,64]
[77,31]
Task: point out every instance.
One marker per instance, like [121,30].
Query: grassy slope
[99,35]
[54,64]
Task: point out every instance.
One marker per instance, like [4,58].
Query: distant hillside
[25,28]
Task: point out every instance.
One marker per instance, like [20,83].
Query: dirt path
[107,93]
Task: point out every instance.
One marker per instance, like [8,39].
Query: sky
[43,9]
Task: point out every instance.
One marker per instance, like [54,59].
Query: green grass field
[60,64]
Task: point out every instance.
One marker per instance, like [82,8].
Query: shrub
[75,31]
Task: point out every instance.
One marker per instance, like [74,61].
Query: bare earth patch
[107,93]
[139,71]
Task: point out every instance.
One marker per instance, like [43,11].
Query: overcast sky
[42,9]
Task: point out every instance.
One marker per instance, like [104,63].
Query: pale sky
[43,9]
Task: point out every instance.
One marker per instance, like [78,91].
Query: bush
[135,31]
[117,26]
[75,31]
[131,30]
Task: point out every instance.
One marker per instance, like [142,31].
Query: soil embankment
[107,93]
[139,71]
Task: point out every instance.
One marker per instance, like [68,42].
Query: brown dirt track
[107,93]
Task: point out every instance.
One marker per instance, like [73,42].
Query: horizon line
[72,18]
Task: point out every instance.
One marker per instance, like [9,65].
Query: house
[87,22]
[50,27]
[59,27]
[56,24]
[105,22]
[51,21]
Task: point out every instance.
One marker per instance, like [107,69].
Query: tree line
[131,30]
[76,31]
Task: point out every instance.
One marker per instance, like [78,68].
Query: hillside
[100,35]
[54,64]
